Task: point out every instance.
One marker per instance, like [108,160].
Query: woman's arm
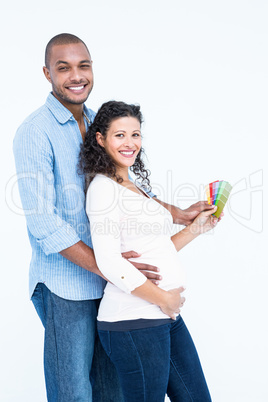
[201,224]
[170,301]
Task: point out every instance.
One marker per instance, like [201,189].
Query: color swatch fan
[217,194]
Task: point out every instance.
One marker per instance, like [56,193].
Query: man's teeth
[127,153]
[76,88]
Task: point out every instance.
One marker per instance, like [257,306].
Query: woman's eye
[136,134]
[119,135]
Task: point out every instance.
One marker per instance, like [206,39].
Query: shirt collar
[90,115]
[61,113]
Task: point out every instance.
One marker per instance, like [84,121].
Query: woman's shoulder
[102,184]
[102,195]
[101,179]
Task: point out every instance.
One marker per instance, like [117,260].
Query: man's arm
[35,173]
[186,217]
[82,255]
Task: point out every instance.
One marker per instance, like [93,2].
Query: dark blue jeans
[74,369]
[154,361]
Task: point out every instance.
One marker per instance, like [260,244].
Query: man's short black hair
[61,39]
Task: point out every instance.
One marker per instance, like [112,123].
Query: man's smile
[76,88]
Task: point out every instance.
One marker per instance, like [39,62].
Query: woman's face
[123,141]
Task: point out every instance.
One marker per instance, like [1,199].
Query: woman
[138,323]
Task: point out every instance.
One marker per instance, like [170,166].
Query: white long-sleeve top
[122,220]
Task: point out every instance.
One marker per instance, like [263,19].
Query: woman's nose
[128,142]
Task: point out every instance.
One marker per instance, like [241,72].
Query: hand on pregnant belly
[174,302]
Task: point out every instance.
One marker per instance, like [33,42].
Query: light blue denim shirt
[46,150]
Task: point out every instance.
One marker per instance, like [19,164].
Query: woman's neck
[123,173]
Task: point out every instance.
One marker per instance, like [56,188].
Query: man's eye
[85,66]
[62,68]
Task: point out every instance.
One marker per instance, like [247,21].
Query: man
[65,282]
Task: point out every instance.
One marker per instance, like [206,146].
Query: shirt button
[122,277]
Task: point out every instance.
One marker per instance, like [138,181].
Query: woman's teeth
[127,153]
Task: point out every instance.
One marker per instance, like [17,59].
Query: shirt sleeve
[34,164]
[103,210]
[150,193]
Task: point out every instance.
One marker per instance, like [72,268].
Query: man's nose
[76,75]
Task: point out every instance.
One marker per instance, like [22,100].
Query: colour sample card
[218,193]
[215,187]
[211,191]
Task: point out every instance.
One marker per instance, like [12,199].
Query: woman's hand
[201,224]
[204,222]
[173,303]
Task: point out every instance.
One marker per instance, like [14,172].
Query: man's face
[70,73]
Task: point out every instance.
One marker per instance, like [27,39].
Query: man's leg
[69,344]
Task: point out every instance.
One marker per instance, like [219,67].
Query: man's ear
[99,139]
[47,74]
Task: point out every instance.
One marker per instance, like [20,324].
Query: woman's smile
[127,154]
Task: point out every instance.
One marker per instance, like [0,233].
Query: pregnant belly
[170,269]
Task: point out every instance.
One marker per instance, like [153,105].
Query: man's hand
[186,217]
[143,268]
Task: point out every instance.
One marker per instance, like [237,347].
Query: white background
[199,71]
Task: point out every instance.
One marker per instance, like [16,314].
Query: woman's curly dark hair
[93,158]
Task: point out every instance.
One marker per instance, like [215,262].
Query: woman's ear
[99,139]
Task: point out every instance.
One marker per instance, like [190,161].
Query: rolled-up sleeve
[34,165]
[103,210]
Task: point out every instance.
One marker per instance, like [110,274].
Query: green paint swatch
[221,194]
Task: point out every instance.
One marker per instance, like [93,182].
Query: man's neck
[77,112]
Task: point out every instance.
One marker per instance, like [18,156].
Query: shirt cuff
[129,285]
[63,238]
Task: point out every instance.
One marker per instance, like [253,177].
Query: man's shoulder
[37,117]
[33,125]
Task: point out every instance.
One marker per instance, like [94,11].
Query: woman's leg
[142,359]
[186,379]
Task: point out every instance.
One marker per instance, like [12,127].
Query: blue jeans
[74,369]
[154,361]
